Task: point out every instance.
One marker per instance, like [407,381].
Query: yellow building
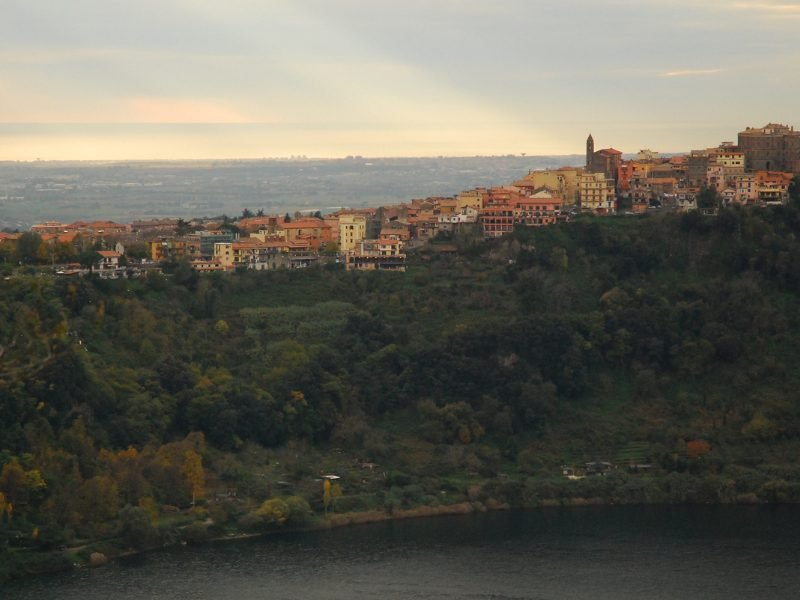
[174,248]
[597,193]
[469,199]
[640,170]
[352,229]
[563,181]
[223,254]
[447,206]
[730,159]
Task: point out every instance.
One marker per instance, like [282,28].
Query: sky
[169,79]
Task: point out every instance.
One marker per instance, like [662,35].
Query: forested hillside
[138,412]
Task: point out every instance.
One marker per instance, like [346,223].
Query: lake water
[593,553]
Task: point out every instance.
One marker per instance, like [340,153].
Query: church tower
[589,152]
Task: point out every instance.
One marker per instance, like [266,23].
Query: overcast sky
[261,78]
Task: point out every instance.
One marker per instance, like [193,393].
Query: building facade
[597,193]
[773,147]
[352,229]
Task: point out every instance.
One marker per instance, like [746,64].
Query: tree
[30,248]
[17,484]
[6,253]
[228,225]
[331,248]
[193,471]
[336,492]
[182,227]
[137,530]
[63,252]
[99,497]
[707,198]
[137,250]
[126,469]
[88,258]
[247,213]
[794,189]
[326,494]
[274,511]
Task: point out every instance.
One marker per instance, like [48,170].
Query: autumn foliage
[697,448]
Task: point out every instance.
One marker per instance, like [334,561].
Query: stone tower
[589,152]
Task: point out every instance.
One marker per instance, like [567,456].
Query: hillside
[178,407]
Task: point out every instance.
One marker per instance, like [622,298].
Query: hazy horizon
[102,142]
[66,191]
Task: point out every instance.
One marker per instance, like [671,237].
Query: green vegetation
[185,407]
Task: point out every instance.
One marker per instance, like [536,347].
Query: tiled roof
[306,224]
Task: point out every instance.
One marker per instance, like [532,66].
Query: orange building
[497,220]
[314,231]
[773,186]
[542,208]
[98,227]
[268,223]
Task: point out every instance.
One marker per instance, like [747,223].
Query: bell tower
[589,152]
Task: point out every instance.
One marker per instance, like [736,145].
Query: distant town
[758,170]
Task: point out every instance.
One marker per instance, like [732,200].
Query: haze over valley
[126,191]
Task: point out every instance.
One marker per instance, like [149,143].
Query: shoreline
[60,560]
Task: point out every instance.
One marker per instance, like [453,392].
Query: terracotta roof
[306,224]
[98,224]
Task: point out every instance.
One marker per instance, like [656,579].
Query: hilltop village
[758,170]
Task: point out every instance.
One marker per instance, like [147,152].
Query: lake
[593,553]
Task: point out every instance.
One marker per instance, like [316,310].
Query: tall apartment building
[731,158]
[352,229]
[597,193]
[773,147]
[697,167]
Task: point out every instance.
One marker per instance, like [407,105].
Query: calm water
[594,553]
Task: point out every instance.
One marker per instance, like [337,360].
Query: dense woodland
[181,406]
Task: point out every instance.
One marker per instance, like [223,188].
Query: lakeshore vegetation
[180,407]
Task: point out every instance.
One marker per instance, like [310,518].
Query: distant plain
[32,192]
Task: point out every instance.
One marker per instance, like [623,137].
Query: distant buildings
[757,171]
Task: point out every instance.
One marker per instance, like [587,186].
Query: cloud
[771,7]
[690,72]
[172,110]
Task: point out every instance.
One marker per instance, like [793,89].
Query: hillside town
[758,170]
